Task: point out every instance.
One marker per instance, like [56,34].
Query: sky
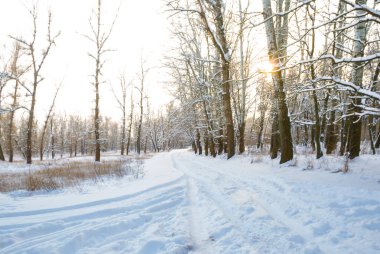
[141,31]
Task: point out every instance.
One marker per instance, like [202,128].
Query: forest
[190,126]
[313,83]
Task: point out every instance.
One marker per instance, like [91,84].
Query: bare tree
[219,40]
[122,102]
[130,124]
[3,81]
[15,73]
[142,76]
[99,37]
[37,62]
[46,122]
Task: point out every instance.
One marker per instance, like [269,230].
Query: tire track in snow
[199,235]
[138,211]
[212,209]
[278,232]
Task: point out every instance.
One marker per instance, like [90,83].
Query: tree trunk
[220,42]
[194,147]
[29,131]
[313,138]
[205,138]
[198,140]
[242,112]
[324,116]
[220,143]
[344,136]
[286,145]
[14,101]
[241,137]
[275,138]
[377,143]
[52,140]
[331,134]
[2,158]
[261,129]
[212,148]
[130,125]
[228,111]
[317,127]
[138,144]
[123,133]
[306,134]
[353,145]
[371,131]
[97,120]
[145,144]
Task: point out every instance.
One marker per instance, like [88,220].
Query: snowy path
[188,204]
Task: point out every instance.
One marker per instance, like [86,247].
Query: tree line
[277,77]
[321,89]
[140,129]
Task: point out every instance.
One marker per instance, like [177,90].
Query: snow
[192,204]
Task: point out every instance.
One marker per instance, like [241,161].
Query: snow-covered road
[189,204]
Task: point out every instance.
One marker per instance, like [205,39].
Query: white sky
[142,26]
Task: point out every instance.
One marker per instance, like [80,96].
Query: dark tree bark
[220,43]
[331,132]
[198,141]
[194,147]
[212,148]
[275,138]
[241,137]
[206,139]
[377,143]
[2,158]
[331,139]
[344,136]
[286,145]
[220,143]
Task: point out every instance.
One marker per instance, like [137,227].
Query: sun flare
[265,67]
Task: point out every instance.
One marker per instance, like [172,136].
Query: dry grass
[52,177]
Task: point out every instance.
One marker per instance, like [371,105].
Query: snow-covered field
[191,204]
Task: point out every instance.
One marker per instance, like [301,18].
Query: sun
[265,67]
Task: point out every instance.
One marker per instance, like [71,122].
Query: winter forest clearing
[190,126]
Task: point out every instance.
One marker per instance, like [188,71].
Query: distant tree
[122,102]
[141,75]
[130,124]
[46,122]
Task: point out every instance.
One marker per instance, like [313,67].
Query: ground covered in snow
[191,204]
